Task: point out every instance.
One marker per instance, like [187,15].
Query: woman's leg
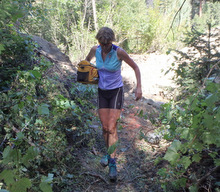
[109,119]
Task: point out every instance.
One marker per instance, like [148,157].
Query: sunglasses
[105,44]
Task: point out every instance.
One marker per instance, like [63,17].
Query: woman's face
[106,47]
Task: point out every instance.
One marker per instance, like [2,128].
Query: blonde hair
[105,35]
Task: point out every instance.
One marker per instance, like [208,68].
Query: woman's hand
[138,93]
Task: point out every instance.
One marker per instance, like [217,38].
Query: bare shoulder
[122,54]
[93,49]
[91,53]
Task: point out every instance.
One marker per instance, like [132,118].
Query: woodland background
[43,123]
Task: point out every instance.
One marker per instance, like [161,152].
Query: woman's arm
[91,53]
[122,54]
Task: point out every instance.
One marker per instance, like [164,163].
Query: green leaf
[218,114]
[184,132]
[171,156]
[35,74]
[70,176]
[31,153]
[7,176]
[11,155]
[43,109]
[193,188]
[49,178]
[39,121]
[208,120]
[45,187]
[217,162]
[20,135]
[186,162]
[198,145]
[112,148]
[1,48]
[208,138]
[196,121]
[211,99]
[21,185]
[182,182]
[196,158]
[211,87]
[172,152]
[8,155]
[7,152]
[175,146]
[16,16]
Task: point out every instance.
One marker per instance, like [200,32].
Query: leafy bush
[192,123]
[194,126]
[17,53]
[35,120]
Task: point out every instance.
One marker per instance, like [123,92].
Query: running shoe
[105,160]
[112,170]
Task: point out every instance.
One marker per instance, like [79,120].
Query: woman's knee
[105,129]
[109,129]
[112,129]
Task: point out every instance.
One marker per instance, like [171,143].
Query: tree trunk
[84,14]
[94,15]
[200,8]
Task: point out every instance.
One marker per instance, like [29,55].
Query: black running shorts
[112,99]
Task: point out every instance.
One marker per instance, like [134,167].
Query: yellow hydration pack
[87,73]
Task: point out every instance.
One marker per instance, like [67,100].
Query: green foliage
[17,54]
[210,16]
[195,128]
[112,148]
[16,51]
[139,28]
[34,118]
[191,67]
[64,23]
[192,121]
[10,12]
[45,183]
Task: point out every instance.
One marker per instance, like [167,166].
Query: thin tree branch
[203,85]
[137,177]
[175,18]
[216,169]
[95,175]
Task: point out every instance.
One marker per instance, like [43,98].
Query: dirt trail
[135,156]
